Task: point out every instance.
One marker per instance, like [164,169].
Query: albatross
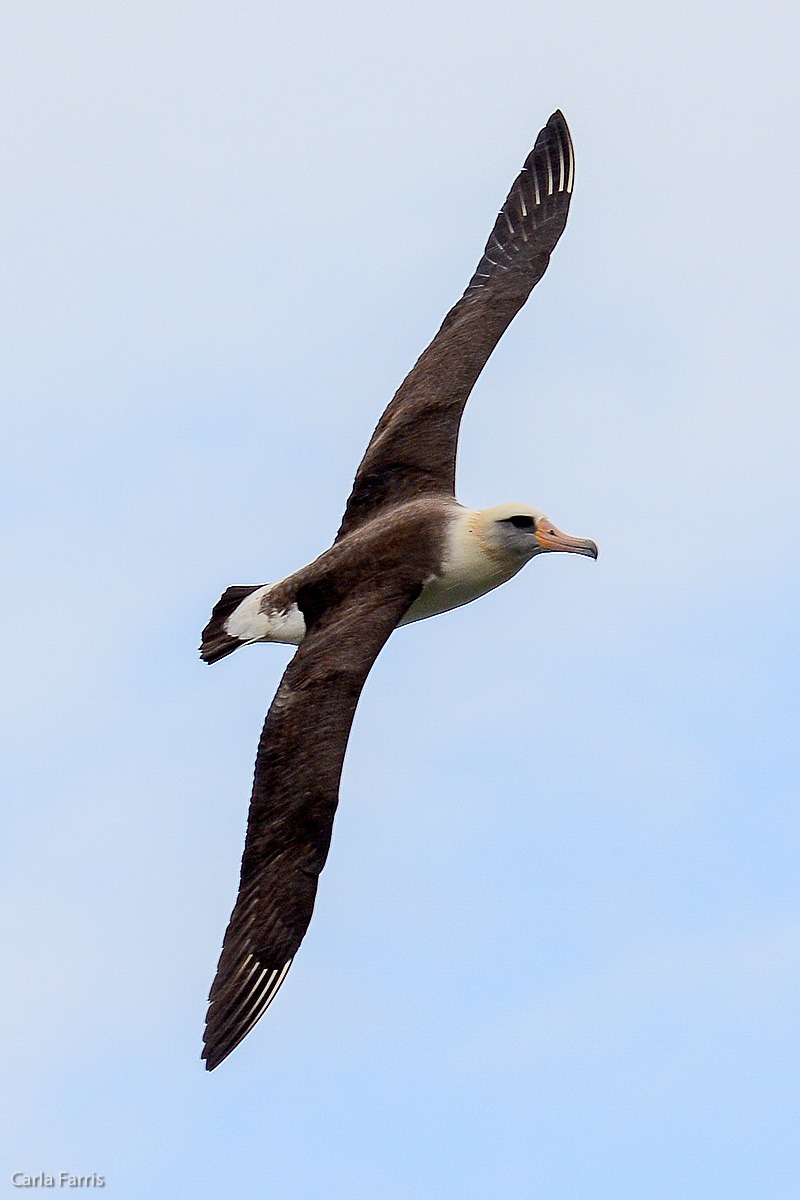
[406,550]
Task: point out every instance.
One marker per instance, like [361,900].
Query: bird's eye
[521,522]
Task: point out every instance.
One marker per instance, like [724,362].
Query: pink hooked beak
[550,538]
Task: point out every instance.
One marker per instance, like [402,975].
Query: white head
[515,533]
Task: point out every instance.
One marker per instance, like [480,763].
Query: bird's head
[518,532]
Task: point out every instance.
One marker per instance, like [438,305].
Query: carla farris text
[62,1179]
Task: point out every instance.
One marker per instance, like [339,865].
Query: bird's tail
[216,641]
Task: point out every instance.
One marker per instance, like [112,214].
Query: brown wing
[295,793]
[413,449]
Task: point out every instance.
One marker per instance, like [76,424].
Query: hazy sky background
[556,952]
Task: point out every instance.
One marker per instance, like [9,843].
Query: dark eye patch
[521,522]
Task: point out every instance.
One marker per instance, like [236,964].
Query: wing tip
[570,149]
[556,135]
[211,1058]
[230,1017]
[535,211]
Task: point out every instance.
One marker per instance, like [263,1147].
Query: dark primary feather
[413,448]
[295,793]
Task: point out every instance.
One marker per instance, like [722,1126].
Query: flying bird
[406,550]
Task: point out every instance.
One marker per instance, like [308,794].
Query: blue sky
[556,949]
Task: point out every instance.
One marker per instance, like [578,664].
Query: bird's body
[406,550]
[457,553]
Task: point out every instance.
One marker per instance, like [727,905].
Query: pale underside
[470,568]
